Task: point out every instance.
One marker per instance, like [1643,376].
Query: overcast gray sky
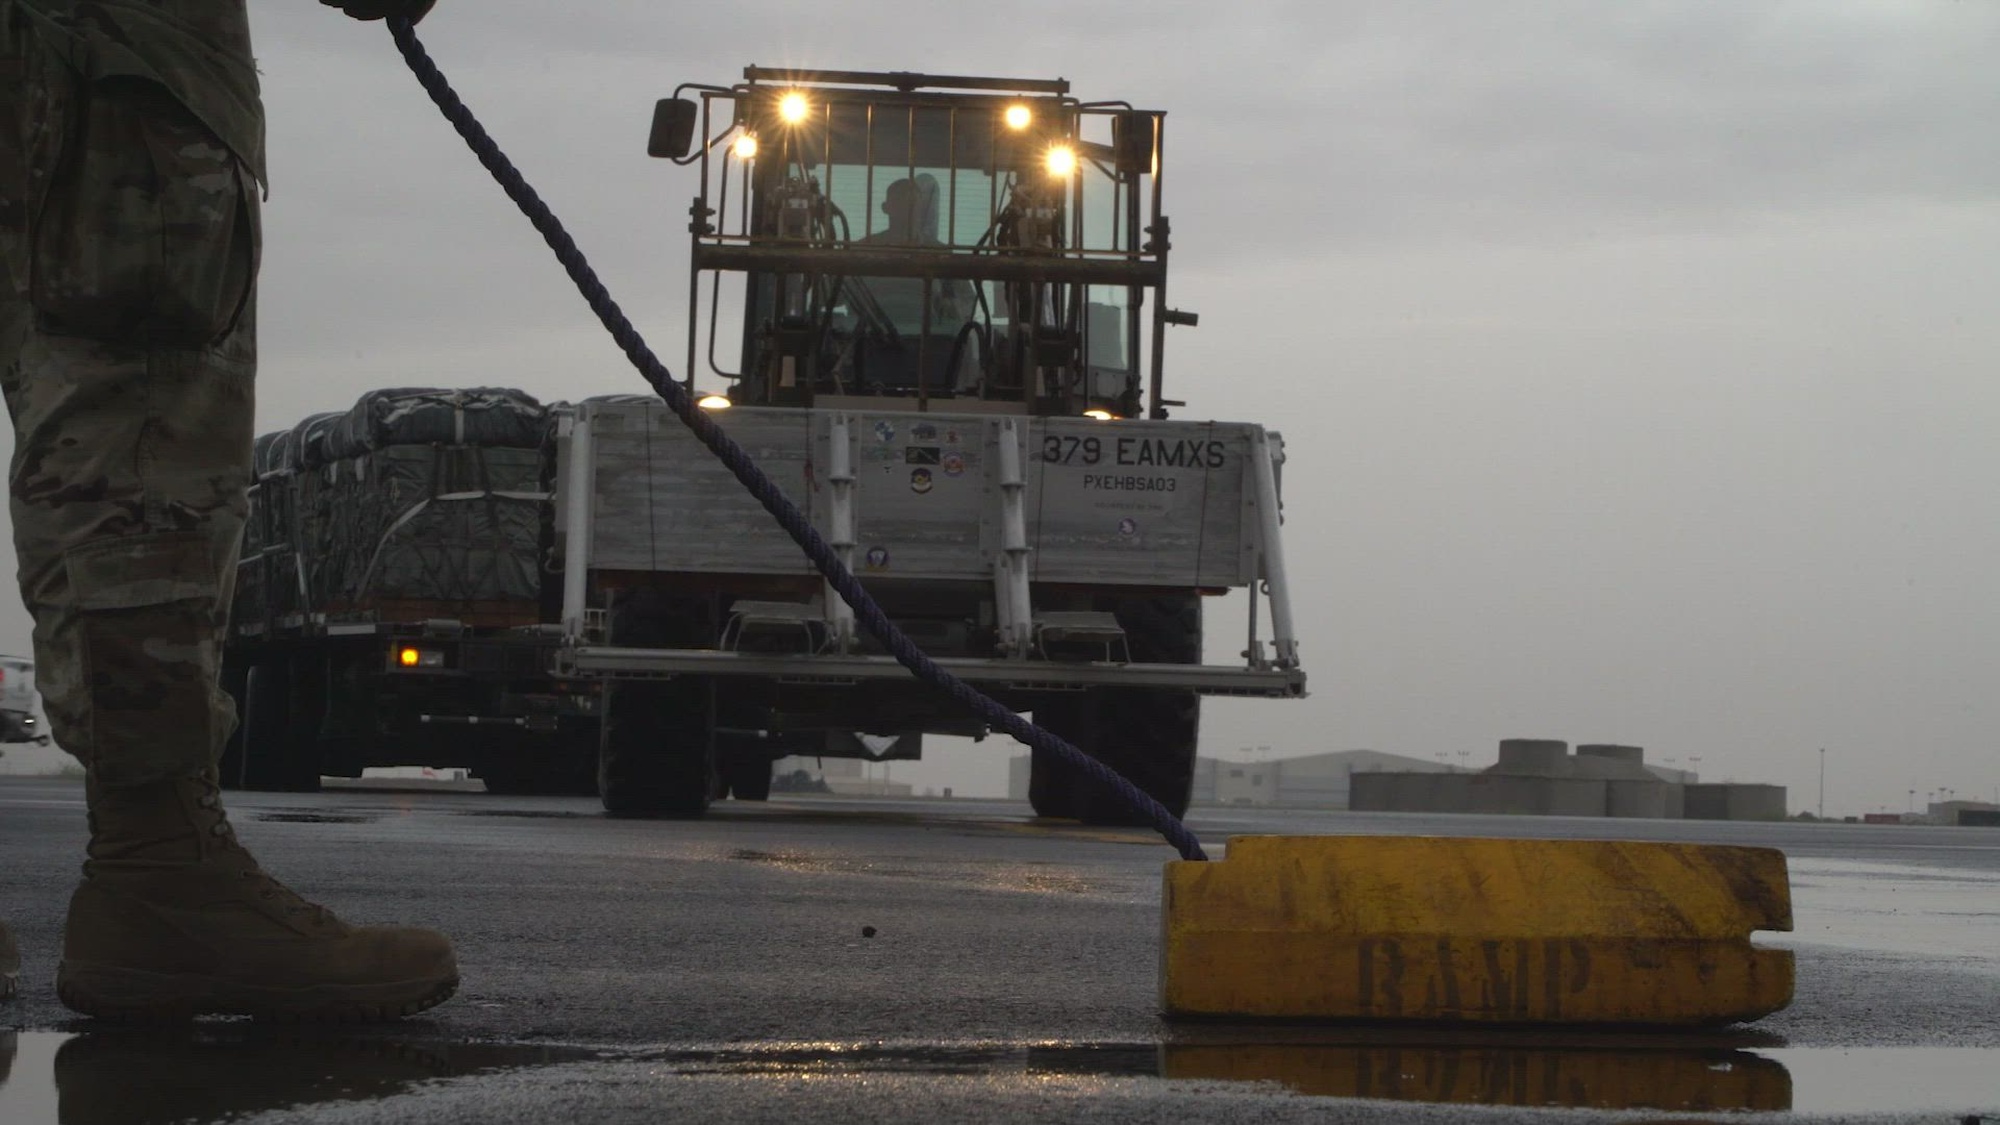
[1636,361]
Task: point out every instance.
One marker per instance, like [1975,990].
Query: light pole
[1822,783]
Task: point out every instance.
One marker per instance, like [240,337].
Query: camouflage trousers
[127,331]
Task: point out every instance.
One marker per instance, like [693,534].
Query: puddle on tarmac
[152,1077]
[527,814]
[219,1072]
[314,818]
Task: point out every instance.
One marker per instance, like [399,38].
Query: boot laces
[268,888]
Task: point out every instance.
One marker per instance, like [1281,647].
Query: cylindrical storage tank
[1542,756]
[1636,798]
[1633,754]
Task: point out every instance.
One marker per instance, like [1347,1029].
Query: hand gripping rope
[794,522]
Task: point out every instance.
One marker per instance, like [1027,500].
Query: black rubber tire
[656,746]
[270,724]
[1149,735]
[234,677]
[304,755]
[653,754]
[749,776]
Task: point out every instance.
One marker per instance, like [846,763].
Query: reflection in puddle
[215,1072]
[220,1072]
[1702,1081]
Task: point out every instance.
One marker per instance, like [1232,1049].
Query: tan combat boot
[10,963]
[175,919]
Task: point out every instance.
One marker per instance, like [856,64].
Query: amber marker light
[408,657]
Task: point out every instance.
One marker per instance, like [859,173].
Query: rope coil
[866,611]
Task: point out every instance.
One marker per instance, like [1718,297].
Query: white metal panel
[1107,503]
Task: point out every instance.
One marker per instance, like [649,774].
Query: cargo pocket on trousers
[144,611]
[150,230]
[138,571]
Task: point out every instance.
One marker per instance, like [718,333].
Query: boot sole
[132,996]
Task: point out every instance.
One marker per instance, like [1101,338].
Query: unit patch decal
[953,463]
[920,481]
[920,455]
[878,558]
[923,431]
[884,432]
[1128,527]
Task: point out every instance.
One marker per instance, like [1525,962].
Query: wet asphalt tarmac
[640,971]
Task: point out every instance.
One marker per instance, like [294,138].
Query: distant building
[848,777]
[1312,781]
[1540,777]
[1969,814]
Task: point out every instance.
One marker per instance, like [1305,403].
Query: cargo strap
[866,611]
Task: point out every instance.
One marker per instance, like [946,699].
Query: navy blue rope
[794,522]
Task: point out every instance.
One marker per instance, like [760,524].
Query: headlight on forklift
[1097,414]
[745,147]
[714,402]
[1017,117]
[793,108]
[420,658]
[1061,161]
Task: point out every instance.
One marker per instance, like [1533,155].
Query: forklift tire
[654,757]
[1149,735]
[749,777]
[656,742]
[1053,790]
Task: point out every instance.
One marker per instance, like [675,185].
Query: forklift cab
[979,240]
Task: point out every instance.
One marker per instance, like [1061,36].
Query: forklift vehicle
[950,357]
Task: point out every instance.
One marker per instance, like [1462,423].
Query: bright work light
[713,402]
[746,146]
[1062,162]
[1017,117]
[793,107]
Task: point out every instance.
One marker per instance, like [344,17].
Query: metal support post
[1270,547]
[577,524]
[1011,599]
[840,477]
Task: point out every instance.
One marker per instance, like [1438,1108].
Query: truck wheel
[749,776]
[261,731]
[1053,789]
[302,756]
[234,678]
[1148,735]
[655,750]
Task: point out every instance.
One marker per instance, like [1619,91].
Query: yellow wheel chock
[1426,929]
